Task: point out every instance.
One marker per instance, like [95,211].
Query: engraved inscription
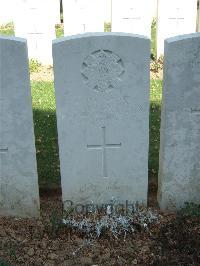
[102,70]
[103,148]
[195,111]
[131,16]
[3,150]
[195,62]
[195,120]
[195,137]
[177,18]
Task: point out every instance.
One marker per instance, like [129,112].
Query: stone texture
[175,17]
[179,175]
[82,16]
[18,172]
[132,16]
[34,23]
[102,95]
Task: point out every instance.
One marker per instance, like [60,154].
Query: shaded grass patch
[44,114]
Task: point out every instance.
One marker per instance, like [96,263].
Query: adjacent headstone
[102,95]
[82,16]
[53,9]
[175,17]
[18,172]
[107,10]
[33,22]
[179,176]
[6,11]
[154,9]
[198,16]
[132,16]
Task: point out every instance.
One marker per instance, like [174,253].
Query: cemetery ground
[169,240]
[150,237]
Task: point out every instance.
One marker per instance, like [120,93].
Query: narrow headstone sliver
[179,174]
[19,194]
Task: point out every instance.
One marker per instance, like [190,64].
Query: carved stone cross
[177,18]
[103,147]
[131,16]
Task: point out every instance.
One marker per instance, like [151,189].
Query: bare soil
[45,73]
[172,240]
[157,75]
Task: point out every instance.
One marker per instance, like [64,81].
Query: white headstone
[175,17]
[82,16]
[154,8]
[33,22]
[18,172]
[107,10]
[179,176]
[198,17]
[102,95]
[6,11]
[132,16]
[53,9]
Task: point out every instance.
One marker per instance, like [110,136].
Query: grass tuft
[7,29]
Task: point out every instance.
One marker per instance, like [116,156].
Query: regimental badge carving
[102,70]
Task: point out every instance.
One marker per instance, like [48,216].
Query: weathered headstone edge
[101,34]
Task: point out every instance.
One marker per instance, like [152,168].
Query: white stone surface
[102,96]
[179,176]
[33,22]
[132,16]
[154,8]
[18,172]
[175,17]
[82,16]
[53,10]
[6,11]
[107,10]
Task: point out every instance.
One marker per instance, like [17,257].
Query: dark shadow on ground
[154,145]
[47,148]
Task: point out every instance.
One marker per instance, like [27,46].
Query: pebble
[53,256]
[134,262]
[86,261]
[104,257]
[68,263]
[31,252]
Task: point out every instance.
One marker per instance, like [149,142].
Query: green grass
[107,27]
[154,127]
[153,39]
[34,66]
[7,29]
[44,112]
[45,133]
[59,31]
